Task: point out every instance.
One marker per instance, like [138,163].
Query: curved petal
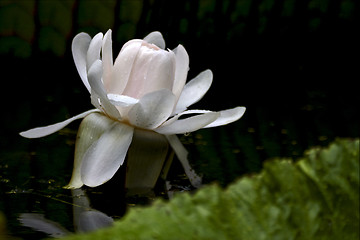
[194,90]
[152,109]
[79,48]
[122,100]
[44,131]
[182,154]
[181,70]
[105,156]
[228,116]
[95,74]
[107,58]
[177,116]
[90,130]
[155,38]
[123,66]
[93,52]
[152,70]
[189,124]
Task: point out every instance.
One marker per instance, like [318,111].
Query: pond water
[34,172]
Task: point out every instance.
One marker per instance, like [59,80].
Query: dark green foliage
[315,198]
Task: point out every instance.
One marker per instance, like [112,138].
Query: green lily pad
[315,198]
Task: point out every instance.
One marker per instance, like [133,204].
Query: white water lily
[143,89]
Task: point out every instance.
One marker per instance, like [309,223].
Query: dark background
[293,63]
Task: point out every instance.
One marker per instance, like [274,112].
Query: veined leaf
[314,198]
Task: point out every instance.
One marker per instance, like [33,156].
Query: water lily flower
[144,88]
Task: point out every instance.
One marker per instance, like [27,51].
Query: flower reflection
[86,219]
[141,95]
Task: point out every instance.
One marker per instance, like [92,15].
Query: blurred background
[292,63]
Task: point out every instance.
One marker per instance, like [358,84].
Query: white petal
[123,66]
[152,70]
[105,156]
[79,48]
[228,116]
[189,124]
[44,131]
[182,154]
[93,52]
[155,38]
[177,116]
[182,68]
[95,74]
[90,130]
[39,223]
[152,109]
[194,90]
[122,100]
[107,58]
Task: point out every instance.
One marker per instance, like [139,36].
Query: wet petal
[107,58]
[90,130]
[194,90]
[181,70]
[152,109]
[79,48]
[123,66]
[182,154]
[122,100]
[155,38]
[188,125]
[93,52]
[105,156]
[153,69]
[44,131]
[228,116]
[95,74]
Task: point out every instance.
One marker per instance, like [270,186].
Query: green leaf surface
[315,198]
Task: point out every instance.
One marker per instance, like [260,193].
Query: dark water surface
[290,63]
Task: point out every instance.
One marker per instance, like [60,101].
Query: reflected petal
[105,156]
[194,90]
[39,223]
[155,38]
[187,125]
[228,116]
[90,130]
[152,109]
[93,220]
[182,154]
[44,131]
[79,48]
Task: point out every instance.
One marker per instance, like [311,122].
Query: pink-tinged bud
[141,68]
